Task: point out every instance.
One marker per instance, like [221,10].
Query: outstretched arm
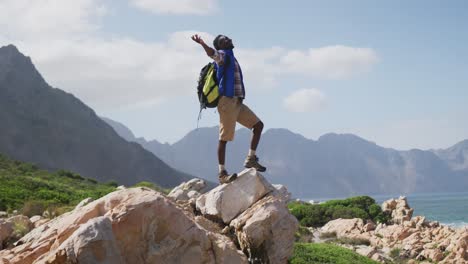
[209,51]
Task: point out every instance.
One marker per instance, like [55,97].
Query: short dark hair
[216,42]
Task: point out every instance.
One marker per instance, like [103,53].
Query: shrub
[315,253]
[112,183]
[31,208]
[327,235]
[316,215]
[152,186]
[351,241]
[26,188]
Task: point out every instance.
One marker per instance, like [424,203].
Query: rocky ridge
[410,238]
[139,225]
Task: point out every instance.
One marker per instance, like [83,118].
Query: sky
[393,72]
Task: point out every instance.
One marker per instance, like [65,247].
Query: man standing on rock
[230,106]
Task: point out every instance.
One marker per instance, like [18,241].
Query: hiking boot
[252,162]
[224,177]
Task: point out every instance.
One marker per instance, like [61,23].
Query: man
[230,106]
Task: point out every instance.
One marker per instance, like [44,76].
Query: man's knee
[258,126]
[222,143]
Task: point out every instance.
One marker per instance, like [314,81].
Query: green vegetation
[31,191]
[316,215]
[152,186]
[350,241]
[328,235]
[306,253]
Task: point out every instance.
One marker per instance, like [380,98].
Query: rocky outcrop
[140,225]
[136,225]
[398,209]
[257,213]
[227,201]
[13,228]
[415,238]
[188,190]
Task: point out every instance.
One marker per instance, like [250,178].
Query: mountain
[456,157]
[55,130]
[333,165]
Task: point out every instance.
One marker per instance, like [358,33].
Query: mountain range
[55,130]
[334,165]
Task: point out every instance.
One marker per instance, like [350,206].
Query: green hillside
[30,190]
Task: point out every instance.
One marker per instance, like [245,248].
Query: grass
[315,253]
[351,241]
[328,235]
[31,191]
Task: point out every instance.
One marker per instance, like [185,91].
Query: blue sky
[392,72]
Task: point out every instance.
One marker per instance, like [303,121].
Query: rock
[433,254]
[46,214]
[38,220]
[283,192]
[398,209]
[83,203]
[378,257]
[6,230]
[35,218]
[121,187]
[21,220]
[344,227]
[92,242]
[367,251]
[266,231]
[3,214]
[369,226]
[188,190]
[227,201]
[135,225]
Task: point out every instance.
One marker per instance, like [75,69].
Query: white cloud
[63,39]
[42,19]
[196,7]
[305,100]
[334,62]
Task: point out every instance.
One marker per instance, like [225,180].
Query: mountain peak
[350,138]
[9,48]
[16,65]
[10,53]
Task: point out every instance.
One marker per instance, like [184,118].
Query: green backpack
[207,88]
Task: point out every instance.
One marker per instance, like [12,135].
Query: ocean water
[448,208]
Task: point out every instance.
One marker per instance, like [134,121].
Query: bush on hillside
[315,253]
[316,215]
[152,186]
[26,188]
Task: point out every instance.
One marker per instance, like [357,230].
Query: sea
[447,208]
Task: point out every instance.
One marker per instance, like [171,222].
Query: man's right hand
[198,39]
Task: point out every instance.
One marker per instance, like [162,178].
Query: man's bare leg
[223,176]
[221,152]
[252,161]
[257,133]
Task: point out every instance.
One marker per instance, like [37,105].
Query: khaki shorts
[232,110]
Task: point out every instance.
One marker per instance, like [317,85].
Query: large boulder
[135,225]
[265,231]
[227,201]
[398,209]
[344,227]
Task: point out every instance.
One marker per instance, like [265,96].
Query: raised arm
[209,51]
